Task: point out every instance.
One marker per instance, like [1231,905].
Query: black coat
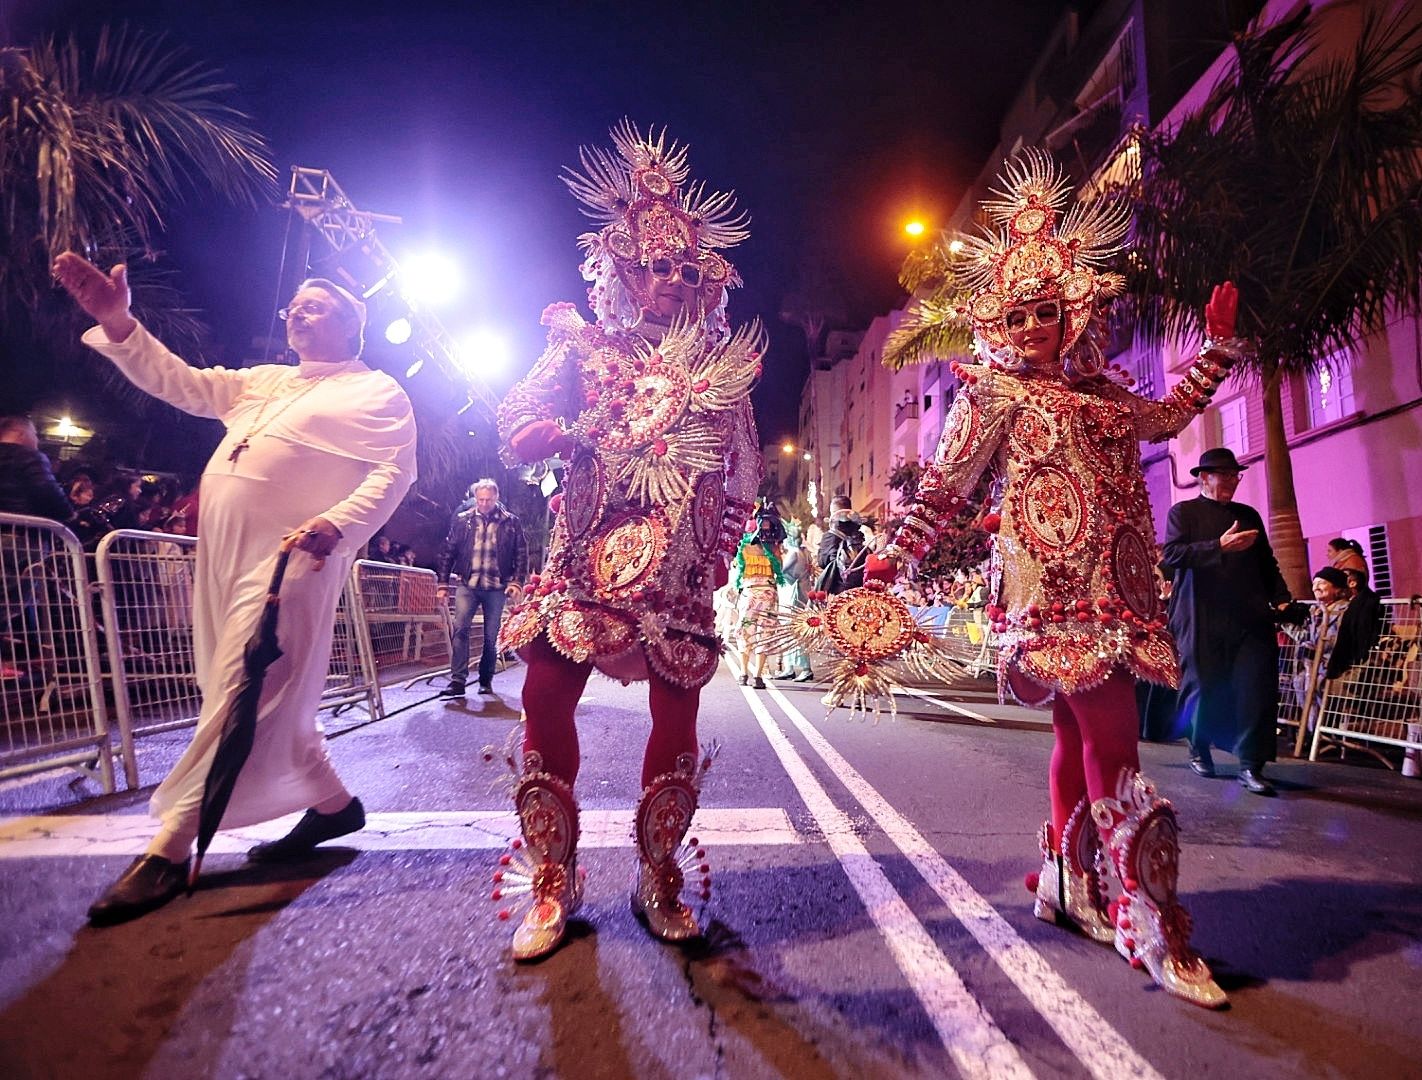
[28,486]
[1219,598]
[510,544]
[1362,626]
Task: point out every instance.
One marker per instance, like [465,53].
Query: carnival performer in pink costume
[650,407]
[1074,596]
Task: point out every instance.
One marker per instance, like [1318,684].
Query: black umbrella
[239,727]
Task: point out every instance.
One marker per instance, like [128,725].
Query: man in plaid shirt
[487,551]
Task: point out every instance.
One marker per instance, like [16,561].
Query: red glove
[1220,312]
[538,440]
[877,568]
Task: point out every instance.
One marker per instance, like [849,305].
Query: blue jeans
[466,600]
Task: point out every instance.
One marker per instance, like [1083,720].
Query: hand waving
[1237,539]
[105,297]
[1221,312]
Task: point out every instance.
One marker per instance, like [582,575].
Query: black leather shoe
[758,683]
[1202,765]
[149,882]
[486,688]
[1252,782]
[453,690]
[312,829]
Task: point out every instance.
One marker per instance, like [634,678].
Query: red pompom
[1031,881]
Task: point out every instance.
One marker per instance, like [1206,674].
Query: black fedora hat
[1218,459]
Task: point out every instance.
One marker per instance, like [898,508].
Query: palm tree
[94,147]
[1300,179]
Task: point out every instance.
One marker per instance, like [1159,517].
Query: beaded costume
[1074,593]
[651,411]
[665,462]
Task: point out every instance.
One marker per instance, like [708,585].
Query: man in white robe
[317,457]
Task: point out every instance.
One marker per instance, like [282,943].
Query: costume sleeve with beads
[547,392]
[1157,421]
[743,473]
[972,433]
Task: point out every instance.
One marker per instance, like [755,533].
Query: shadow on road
[108,1007]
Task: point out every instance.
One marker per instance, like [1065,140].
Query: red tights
[551,689]
[1096,732]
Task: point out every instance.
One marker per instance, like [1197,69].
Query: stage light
[430,278]
[484,352]
[398,332]
[66,428]
[414,369]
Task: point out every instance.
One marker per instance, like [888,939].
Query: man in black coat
[488,553]
[27,484]
[841,553]
[1227,596]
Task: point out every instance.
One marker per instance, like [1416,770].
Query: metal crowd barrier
[52,707]
[966,634]
[406,623]
[1378,702]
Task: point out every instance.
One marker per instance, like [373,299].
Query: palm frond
[931,330]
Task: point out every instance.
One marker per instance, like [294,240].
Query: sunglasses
[1046,313]
[689,273]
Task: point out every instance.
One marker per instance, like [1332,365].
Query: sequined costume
[1074,592]
[650,408]
[663,474]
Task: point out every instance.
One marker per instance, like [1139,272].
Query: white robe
[342,448]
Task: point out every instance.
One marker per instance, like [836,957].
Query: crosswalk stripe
[448,830]
[1099,1047]
[976,1044]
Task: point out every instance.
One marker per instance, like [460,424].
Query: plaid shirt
[484,553]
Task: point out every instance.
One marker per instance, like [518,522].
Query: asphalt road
[869,917]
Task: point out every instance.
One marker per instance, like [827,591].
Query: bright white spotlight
[430,278]
[484,352]
[399,331]
[414,369]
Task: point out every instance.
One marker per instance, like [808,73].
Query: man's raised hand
[1237,539]
[104,297]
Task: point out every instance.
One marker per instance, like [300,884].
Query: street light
[787,448]
[914,227]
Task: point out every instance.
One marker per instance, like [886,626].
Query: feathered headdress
[638,193]
[1027,250]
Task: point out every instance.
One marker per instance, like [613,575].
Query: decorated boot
[1069,886]
[541,869]
[1152,927]
[663,861]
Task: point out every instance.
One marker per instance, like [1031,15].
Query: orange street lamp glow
[914,228]
[787,448]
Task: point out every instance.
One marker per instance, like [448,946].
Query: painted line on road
[948,705]
[976,1044]
[1102,1051]
[449,830]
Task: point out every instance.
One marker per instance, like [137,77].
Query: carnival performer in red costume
[650,407]
[1074,596]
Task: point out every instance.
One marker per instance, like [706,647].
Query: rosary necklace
[258,426]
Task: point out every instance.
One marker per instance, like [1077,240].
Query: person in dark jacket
[1228,593]
[27,483]
[1361,628]
[841,553]
[488,552]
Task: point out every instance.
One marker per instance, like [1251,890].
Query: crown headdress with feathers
[639,194]
[1028,250]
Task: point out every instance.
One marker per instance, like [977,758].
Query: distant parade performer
[650,407]
[318,455]
[1074,597]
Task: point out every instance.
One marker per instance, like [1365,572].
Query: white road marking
[977,1045]
[948,705]
[1099,1047]
[450,830]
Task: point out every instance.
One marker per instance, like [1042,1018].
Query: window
[1234,426]
[1330,394]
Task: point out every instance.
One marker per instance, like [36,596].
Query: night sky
[833,122]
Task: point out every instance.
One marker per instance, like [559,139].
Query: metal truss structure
[322,204]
